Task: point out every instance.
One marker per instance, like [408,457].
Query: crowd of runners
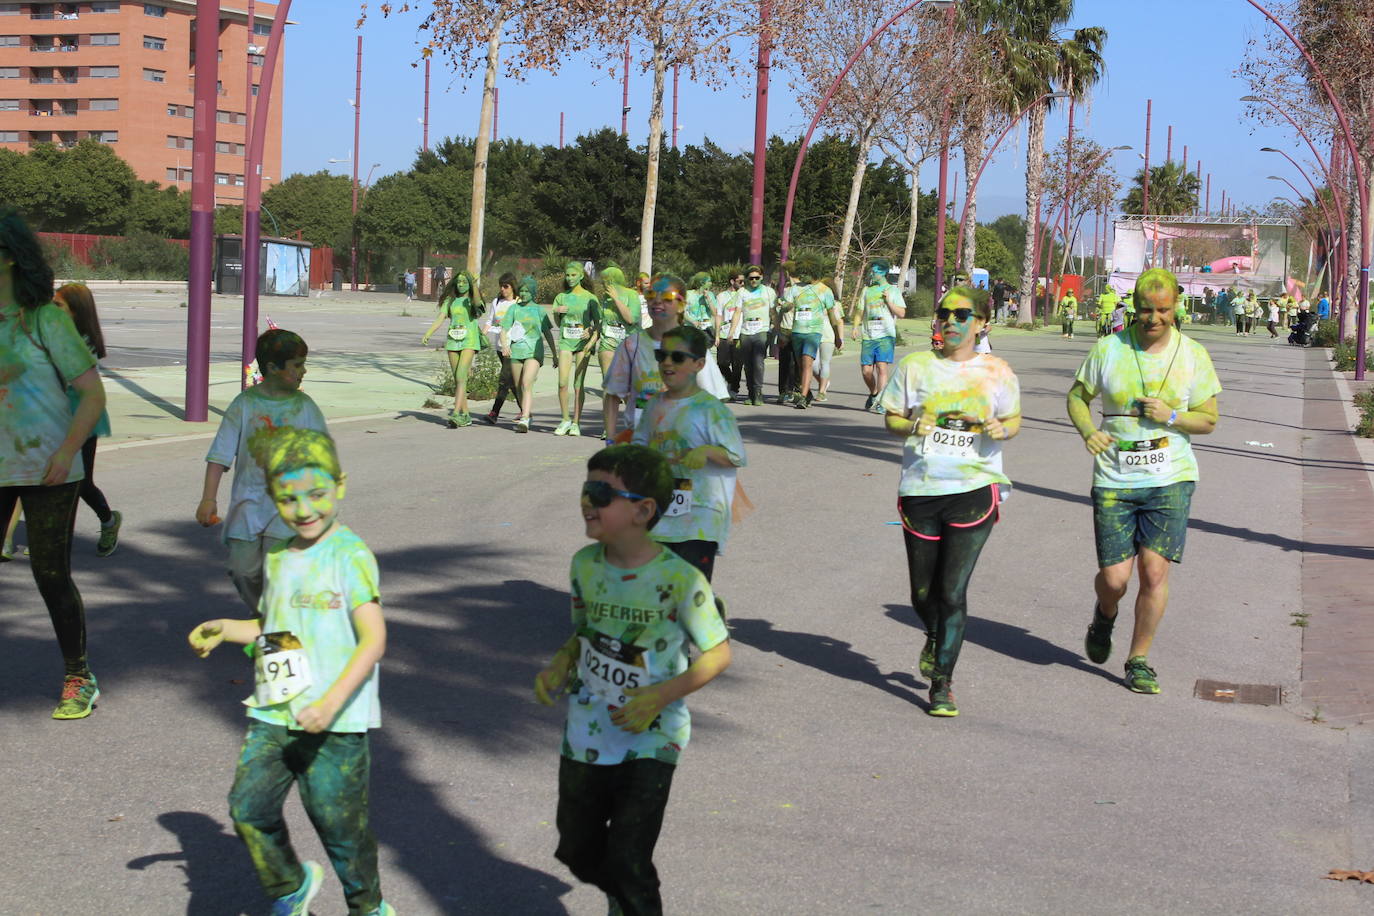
[647,628]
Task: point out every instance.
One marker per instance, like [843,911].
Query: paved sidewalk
[1337,575]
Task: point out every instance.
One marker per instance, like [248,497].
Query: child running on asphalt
[637,608]
[252,526]
[698,435]
[316,644]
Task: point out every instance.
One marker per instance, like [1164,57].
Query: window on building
[255,90]
[153,43]
[174,142]
[9,41]
[153,9]
[238,181]
[105,73]
[155,76]
[10,9]
[262,28]
[171,172]
[105,136]
[9,104]
[231,117]
[9,136]
[9,73]
[179,111]
[221,178]
[257,60]
[106,40]
[105,6]
[104,104]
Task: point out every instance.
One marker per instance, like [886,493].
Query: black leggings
[753,348]
[701,554]
[609,818]
[788,370]
[90,493]
[504,388]
[944,536]
[729,361]
[49,515]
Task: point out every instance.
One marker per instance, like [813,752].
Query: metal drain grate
[1223,692]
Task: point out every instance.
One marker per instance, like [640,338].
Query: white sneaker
[574,429]
[563,428]
[522,425]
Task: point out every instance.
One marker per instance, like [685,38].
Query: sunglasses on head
[599,493]
[960,315]
[677,356]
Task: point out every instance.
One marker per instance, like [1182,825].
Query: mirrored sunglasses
[600,494]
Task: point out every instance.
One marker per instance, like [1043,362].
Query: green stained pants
[331,769]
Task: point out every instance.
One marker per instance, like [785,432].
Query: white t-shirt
[635,380]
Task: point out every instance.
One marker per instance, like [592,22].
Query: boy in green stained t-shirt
[637,608]
[316,645]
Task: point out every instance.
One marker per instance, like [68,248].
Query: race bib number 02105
[281,670]
[1146,456]
[605,676]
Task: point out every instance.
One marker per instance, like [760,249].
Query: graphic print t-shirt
[251,512]
[811,306]
[313,593]
[674,428]
[647,618]
[877,316]
[1111,370]
[980,388]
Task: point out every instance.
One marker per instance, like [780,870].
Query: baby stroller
[1301,333]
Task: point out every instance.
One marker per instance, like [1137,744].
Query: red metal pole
[761,140]
[560,130]
[676,68]
[625,92]
[944,173]
[1169,145]
[252,191]
[202,213]
[357,128]
[1208,206]
[1199,182]
[248,89]
[1068,172]
[425,139]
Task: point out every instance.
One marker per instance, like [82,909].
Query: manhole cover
[1224,692]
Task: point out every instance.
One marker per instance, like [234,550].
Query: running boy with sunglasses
[637,608]
[698,435]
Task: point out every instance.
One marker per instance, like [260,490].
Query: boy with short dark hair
[252,527]
[316,647]
[637,608]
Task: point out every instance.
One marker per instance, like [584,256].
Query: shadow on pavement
[826,654]
[219,877]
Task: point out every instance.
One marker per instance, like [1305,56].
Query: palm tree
[1173,191]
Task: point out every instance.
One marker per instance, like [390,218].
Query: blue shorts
[1155,517]
[876,351]
[806,345]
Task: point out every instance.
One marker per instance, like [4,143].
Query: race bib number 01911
[606,676]
[682,499]
[1145,456]
[281,670]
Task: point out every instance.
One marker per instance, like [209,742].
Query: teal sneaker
[1097,645]
[383,909]
[78,697]
[109,535]
[927,662]
[297,903]
[1140,677]
[463,419]
[942,700]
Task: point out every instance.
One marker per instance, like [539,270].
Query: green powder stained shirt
[979,388]
[463,330]
[879,320]
[1111,370]
[576,325]
[526,324]
[673,427]
[646,618]
[758,306]
[810,306]
[35,414]
[313,593]
[701,309]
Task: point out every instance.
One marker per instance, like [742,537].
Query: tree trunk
[1035,165]
[1351,280]
[974,135]
[478,221]
[646,225]
[913,219]
[847,231]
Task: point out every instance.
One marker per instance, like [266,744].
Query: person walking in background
[461,303]
[76,300]
[409,280]
[491,326]
[729,359]
[41,355]
[874,318]
[1068,311]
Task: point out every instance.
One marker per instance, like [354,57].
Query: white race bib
[572,332]
[951,443]
[608,677]
[877,327]
[1145,456]
[517,332]
[458,333]
[753,325]
[614,331]
[804,314]
[281,670]
[682,500]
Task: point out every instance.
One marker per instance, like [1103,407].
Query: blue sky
[1180,53]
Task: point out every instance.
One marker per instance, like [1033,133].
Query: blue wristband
[1173,418]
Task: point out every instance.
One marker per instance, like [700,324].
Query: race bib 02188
[1145,456]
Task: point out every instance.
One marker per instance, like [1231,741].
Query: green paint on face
[460,283]
[572,275]
[307,500]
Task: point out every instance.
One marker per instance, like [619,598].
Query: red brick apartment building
[122,71]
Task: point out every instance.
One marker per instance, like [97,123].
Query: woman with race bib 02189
[954,408]
[461,304]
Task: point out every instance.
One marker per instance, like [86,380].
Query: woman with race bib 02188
[461,304]
[954,408]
